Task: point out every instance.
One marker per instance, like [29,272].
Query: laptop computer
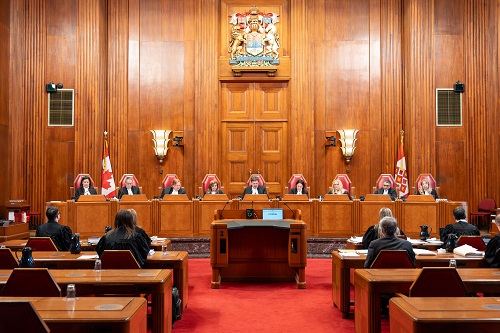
[272,214]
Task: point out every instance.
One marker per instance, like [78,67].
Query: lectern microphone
[223,209]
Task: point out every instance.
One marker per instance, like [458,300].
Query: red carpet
[263,307]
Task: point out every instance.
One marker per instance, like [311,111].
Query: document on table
[89,256]
[423,252]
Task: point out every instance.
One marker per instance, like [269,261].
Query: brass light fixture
[160,138]
[348,140]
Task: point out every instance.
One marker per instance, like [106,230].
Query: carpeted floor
[263,307]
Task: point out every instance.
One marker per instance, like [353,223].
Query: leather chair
[393,259]
[346,183]
[438,282]
[206,182]
[119,259]
[432,183]
[135,182]
[31,282]
[77,182]
[41,244]
[7,259]
[381,180]
[486,210]
[30,321]
[262,182]
[292,183]
[474,241]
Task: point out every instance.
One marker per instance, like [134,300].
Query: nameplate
[215,197]
[135,197]
[378,197]
[420,198]
[92,198]
[175,197]
[295,197]
[255,197]
[336,197]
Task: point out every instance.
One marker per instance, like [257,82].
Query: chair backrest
[41,244]
[31,282]
[135,182]
[78,181]
[7,259]
[292,183]
[438,282]
[118,259]
[261,179]
[393,259]
[487,205]
[206,182]
[428,176]
[167,181]
[474,241]
[10,311]
[346,182]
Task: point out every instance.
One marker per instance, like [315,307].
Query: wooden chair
[474,241]
[485,211]
[393,259]
[21,316]
[7,259]
[41,244]
[438,282]
[119,259]
[31,282]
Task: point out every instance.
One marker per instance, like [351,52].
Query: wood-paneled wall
[138,65]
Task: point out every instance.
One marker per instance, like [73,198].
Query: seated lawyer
[128,189]
[60,234]
[174,189]
[300,188]
[255,188]
[338,188]
[387,189]
[85,188]
[425,188]
[213,188]
[460,227]
[124,237]
[493,246]
[389,241]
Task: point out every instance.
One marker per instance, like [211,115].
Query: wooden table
[157,282]
[342,266]
[440,314]
[369,284]
[176,260]
[18,244]
[90,314]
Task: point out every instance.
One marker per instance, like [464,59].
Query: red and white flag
[401,173]
[107,180]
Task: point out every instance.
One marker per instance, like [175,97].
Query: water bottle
[98,265]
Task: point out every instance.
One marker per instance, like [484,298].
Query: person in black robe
[124,237]
[491,253]
[374,232]
[60,234]
[461,227]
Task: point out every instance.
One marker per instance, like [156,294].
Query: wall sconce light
[160,138]
[348,140]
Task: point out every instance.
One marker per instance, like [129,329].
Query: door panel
[237,101]
[271,102]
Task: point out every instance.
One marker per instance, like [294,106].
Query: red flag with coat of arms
[401,175]
[107,180]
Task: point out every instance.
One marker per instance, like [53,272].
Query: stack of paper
[422,252]
[348,254]
[467,251]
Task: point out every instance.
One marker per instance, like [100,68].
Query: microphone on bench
[293,212]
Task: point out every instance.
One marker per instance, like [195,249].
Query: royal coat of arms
[254,39]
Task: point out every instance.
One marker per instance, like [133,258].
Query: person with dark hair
[60,234]
[460,227]
[374,232]
[300,188]
[387,189]
[254,188]
[128,189]
[491,254]
[85,188]
[213,188]
[124,237]
[174,189]
[138,229]
[388,225]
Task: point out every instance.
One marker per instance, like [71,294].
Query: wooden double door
[254,122]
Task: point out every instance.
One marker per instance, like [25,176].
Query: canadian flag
[401,175]
[107,180]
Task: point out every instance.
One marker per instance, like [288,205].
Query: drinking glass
[453,263]
[71,292]
[98,265]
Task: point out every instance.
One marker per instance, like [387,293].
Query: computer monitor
[272,214]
